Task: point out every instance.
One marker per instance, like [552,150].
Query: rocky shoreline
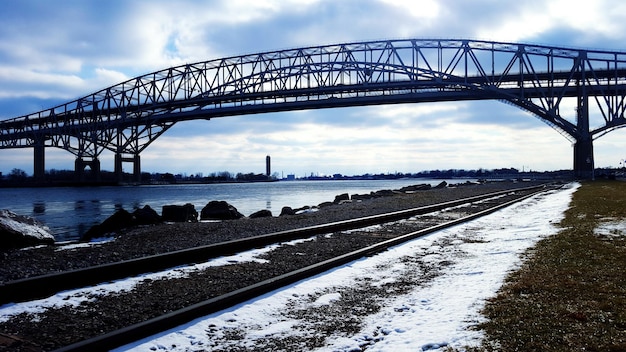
[144,240]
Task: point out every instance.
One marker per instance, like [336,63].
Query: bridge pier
[39,162]
[135,160]
[583,159]
[79,169]
[583,148]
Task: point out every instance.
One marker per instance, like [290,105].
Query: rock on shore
[18,231]
[219,210]
[122,219]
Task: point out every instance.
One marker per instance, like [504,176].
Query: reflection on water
[70,212]
[39,208]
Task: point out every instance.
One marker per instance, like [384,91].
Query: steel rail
[171,320]
[46,285]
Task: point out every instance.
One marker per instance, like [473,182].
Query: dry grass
[570,294]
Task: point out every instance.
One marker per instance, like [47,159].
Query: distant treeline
[222,176]
[53,176]
[59,177]
[450,174]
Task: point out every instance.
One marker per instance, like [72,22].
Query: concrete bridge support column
[39,165]
[119,172]
[79,169]
[95,169]
[137,168]
[583,159]
[583,148]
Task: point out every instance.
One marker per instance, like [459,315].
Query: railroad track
[46,285]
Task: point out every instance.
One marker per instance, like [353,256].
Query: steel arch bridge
[543,80]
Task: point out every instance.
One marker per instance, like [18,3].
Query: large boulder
[146,216]
[122,219]
[341,198]
[443,184]
[285,211]
[264,213]
[362,196]
[219,210]
[17,231]
[180,213]
[119,220]
[383,193]
[415,188]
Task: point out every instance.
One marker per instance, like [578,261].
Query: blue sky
[52,52]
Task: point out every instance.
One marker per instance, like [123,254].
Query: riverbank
[70,211]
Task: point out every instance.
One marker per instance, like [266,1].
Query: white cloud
[426,9]
[415,110]
[17,82]
[531,20]
[518,26]
[590,16]
[61,52]
[104,77]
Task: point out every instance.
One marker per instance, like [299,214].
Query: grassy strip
[570,293]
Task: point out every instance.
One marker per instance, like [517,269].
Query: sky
[439,311]
[55,52]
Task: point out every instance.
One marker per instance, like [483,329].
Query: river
[70,211]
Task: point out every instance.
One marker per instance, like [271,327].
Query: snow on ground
[93,243]
[422,295]
[76,297]
[611,227]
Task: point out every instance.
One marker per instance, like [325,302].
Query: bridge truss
[545,81]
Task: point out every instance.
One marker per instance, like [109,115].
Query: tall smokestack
[268,166]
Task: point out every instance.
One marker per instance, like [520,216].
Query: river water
[70,211]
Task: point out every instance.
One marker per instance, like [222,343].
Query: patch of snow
[92,243]
[611,227]
[306,211]
[327,299]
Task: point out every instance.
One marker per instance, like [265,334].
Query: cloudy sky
[52,52]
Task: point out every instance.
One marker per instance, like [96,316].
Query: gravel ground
[65,325]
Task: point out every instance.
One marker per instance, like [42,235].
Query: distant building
[268,166]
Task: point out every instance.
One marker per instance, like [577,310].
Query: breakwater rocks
[35,233]
[222,210]
[122,219]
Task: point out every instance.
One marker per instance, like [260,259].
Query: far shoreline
[544,176]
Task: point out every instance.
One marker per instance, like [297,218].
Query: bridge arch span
[127,117]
